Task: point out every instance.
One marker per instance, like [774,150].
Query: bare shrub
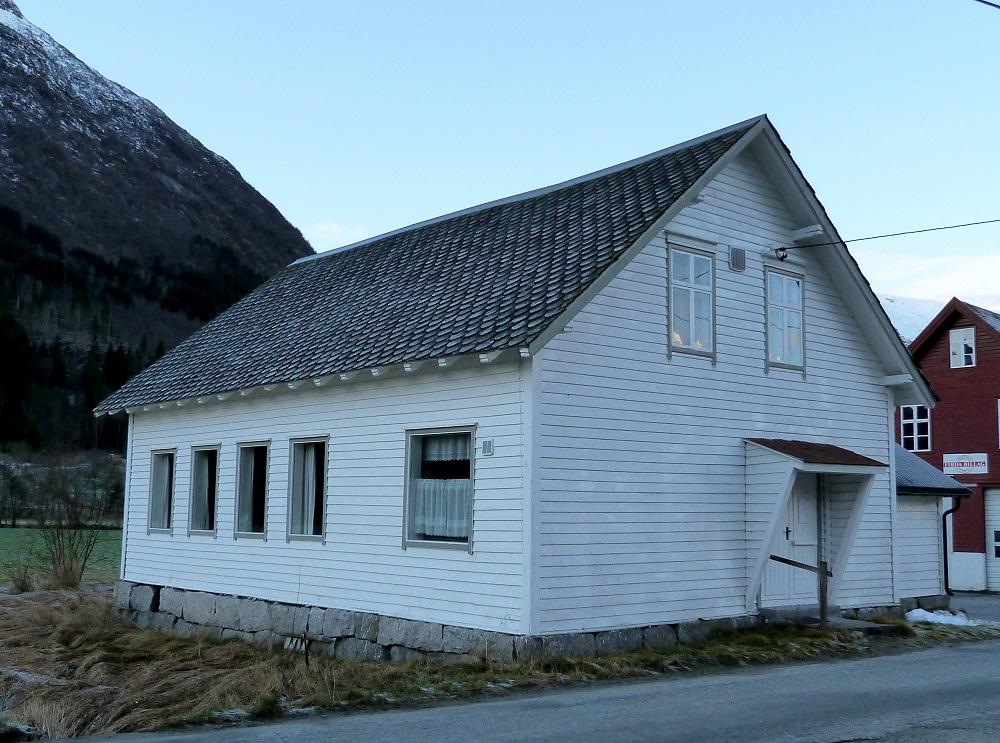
[21,580]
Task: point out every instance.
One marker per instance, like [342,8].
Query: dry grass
[73,666]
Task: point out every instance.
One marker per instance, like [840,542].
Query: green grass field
[16,547]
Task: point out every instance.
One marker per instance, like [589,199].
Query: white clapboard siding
[640,463]
[919,569]
[362,565]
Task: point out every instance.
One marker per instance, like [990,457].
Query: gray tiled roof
[485,279]
[914,476]
[990,317]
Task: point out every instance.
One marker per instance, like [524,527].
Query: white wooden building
[596,406]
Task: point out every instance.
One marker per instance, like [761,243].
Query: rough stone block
[322,647]
[288,620]
[618,641]
[391,631]
[498,647]
[142,619]
[423,636]
[163,622]
[199,607]
[144,598]
[453,659]
[659,637]
[746,621]
[528,648]
[172,600]
[123,589]
[266,639]
[366,626]
[207,632]
[908,604]
[399,654]
[314,623]
[571,645]
[461,639]
[227,633]
[253,615]
[930,603]
[338,623]
[699,630]
[351,648]
[184,629]
[227,612]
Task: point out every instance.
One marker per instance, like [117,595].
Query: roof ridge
[534,193]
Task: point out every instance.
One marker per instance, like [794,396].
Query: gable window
[915,427]
[308,488]
[962,343]
[251,489]
[692,303]
[439,487]
[784,319]
[161,490]
[204,487]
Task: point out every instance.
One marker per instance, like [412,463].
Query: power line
[987,2]
[897,234]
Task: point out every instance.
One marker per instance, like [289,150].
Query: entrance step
[807,616]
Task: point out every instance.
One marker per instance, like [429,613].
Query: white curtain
[446,447]
[304,484]
[199,493]
[442,507]
[159,517]
[246,491]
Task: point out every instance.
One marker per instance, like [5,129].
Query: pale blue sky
[356,118]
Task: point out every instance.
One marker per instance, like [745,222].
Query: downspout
[944,541]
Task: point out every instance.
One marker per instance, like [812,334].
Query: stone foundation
[928,603]
[362,636]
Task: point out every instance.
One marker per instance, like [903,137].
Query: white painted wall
[640,462]
[362,565]
[919,570]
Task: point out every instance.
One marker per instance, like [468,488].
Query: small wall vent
[737,259]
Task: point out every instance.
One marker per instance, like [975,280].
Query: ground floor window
[439,486]
[251,498]
[308,488]
[161,490]
[204,488]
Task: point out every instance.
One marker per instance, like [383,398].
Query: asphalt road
[940,695]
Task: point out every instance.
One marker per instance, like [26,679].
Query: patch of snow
[942,616]
[910,315]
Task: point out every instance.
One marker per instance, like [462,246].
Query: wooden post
[824,570]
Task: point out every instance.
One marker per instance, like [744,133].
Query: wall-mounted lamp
[781,252]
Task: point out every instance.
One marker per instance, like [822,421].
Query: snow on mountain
[910,315]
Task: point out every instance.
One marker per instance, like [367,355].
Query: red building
[959,353]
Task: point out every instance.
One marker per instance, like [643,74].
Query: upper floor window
[915,427]
[962,342]
[692,304]
[784,319]
[439,487]
[161,490]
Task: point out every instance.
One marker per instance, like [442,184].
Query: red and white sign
[966,464]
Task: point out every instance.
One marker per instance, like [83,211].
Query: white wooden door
[992,498]
[797,539]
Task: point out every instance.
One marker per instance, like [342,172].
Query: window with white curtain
[161,490]
[251,489]
[915,427]
[204,486]
[692,302]
[308,488]
[439,490]
[784,319]
[962,342]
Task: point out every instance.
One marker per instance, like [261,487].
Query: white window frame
[692,288]
[955,333]
[411,436]
[171,493]
[266,445]
[915,420]
[770,271]
[191,531]
[292,443]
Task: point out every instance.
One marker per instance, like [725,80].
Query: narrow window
[308,488]
[252,489]
[784,319]
[440,487]
[204,484]
[963,347]
[691,301]
[161,490]
[915,427]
